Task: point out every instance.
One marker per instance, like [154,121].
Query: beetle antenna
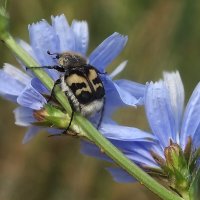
[57,55]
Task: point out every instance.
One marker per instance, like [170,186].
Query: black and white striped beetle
[81,84]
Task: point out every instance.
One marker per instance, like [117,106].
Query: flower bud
[173,155]
[50,116]
[179,175]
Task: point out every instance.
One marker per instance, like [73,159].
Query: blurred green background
[163,35]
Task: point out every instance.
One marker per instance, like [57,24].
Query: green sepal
[178,171]
[51,116]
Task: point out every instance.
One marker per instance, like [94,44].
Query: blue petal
[118,69]
[135,143]
[117,96]
[27,48]
[43,38]
[159,113]
[176,92]
[195,139]
[54,131]
[64,33]
[30,51]
[191,119]
[16,79]
[107,51]
[141,156]
[157,149]
[39,86]
[135,91]
[80,29]
[112,97]
[32,131]
[138,155]
[124,133]
[120,175]
[31,98]
[137,151]
[23,116]
[92,150]
[16,74]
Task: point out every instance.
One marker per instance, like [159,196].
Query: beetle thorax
[71,60]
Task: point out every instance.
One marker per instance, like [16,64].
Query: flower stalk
[86,126]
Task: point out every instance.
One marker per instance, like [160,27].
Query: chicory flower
[31,95]
[171,151]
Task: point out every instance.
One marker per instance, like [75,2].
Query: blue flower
[171,149]
[28,92]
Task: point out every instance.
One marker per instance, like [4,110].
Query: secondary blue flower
[172,149]
[27,91]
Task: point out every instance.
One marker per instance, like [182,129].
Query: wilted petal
[107,51]
[120,175]
[31,98]
[64,33]
[191,119]
[159,113]
[23,116]
[12,82]
[176,92]
[32,131]
[80,29]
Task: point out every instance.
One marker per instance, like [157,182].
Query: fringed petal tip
[80,29]
[37,24]
[59,19]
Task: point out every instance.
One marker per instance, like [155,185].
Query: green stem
[92,133]
[125,163]
[41,74]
